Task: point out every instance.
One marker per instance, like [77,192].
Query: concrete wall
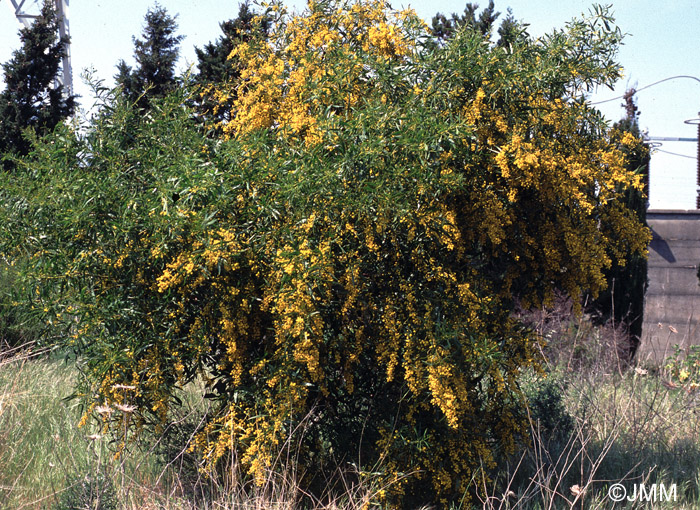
[672,301]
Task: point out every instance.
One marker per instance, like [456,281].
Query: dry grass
[631,425]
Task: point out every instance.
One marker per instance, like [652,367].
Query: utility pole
[697,123]
[26,14]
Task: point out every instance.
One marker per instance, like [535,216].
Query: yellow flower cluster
[287,81]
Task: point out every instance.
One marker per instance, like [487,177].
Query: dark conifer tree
[126,79]
[156,55]
[623,300]
[215,66]
[509,32]
[32,98]
[444,28]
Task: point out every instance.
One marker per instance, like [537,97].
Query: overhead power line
[670,139]
[648,86]
[675,154]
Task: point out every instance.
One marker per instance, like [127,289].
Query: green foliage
[683,366]
[214,65]
[156,55]
[547,408]
[18,325]
[30,99]
[340,271]
[92,491]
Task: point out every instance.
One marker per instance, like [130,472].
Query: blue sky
[663,41]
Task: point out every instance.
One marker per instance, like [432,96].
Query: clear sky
[663,41]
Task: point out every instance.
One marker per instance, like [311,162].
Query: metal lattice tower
[27,11]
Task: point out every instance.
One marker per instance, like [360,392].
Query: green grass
[597,422]
[627,428]
[38,432]
[43,452]
[48,462]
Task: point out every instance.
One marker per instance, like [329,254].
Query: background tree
[623,300]
[218,72]
[156,55]
[445,28]
[509,31]
[32,99]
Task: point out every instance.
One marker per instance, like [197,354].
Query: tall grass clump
[47,461]
[45,457]
[38,429]
[596,419]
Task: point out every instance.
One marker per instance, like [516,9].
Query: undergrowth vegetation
[610,423]
[597,420]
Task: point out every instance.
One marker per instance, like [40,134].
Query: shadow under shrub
[573,341]
[172,446]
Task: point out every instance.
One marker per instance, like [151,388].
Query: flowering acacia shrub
[346,261]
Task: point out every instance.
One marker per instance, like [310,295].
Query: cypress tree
[215,66]
[623,300]
[509,32]
[156,55]
[32,99]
